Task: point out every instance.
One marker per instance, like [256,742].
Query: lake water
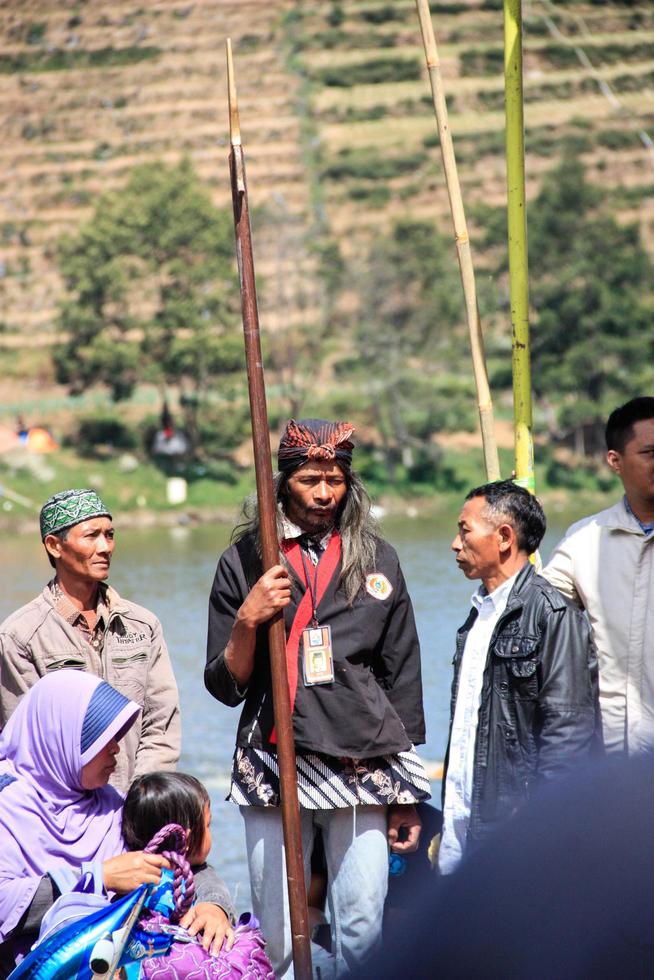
[170,572]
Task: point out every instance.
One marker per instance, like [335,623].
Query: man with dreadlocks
[353,662]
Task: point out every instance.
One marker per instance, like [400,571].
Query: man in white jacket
[605,563]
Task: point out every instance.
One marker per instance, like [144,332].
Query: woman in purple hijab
[57,813]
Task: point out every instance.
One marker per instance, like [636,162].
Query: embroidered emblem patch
[378,586]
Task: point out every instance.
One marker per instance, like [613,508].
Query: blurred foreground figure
[524,696]
[605,564]
[563,890]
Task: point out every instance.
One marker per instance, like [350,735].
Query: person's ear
[507,537]
[614,459]
[53,545]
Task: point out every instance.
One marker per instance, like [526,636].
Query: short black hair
[159,798]
[620,424]
[62,535]
[505,500]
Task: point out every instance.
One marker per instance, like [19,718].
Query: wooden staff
[464,254]
[269,543]
[517,226]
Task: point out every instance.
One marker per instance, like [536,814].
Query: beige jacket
[133,658]
[605,563]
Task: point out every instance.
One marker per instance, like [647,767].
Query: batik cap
[68,508]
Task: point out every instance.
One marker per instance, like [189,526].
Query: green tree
[410,339]
[591,281]
[336,15]
[152,292]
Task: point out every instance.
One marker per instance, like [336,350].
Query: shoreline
[573,504]
[134,519]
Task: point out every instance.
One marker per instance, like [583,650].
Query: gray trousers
[356,851]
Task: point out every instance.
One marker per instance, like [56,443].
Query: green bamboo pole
[517,226]
[464,255]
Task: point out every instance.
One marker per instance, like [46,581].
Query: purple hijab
[47,819]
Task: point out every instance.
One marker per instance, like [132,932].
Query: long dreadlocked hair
[358,529]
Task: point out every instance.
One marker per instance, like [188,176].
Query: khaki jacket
[605,563]
[133,658]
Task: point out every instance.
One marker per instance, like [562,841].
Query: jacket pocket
[129,673]
[523,668]
[63,661]
[517,667]
[515,647]
[130,660]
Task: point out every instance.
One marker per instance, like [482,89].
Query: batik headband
[311,440]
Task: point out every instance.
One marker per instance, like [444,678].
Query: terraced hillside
[90,89]
[589,78]
[336,116]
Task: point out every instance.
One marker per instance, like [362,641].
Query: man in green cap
[79,621]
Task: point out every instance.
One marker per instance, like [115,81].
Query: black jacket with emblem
[539,711]
[374,705]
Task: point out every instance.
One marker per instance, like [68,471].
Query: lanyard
[312,586]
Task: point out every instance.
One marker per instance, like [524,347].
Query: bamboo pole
[464,254]
[518,260]
[269,542]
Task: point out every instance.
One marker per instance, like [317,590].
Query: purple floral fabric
[246,960]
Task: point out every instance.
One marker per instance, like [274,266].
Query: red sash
[324,572]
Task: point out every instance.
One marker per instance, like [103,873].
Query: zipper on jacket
[69,662]
[137,658]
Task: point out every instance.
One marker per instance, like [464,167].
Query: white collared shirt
[315,547]
[458,784]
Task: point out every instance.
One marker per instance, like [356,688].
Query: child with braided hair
[153,802]
[160,798]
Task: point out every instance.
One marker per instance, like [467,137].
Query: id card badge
[317,660]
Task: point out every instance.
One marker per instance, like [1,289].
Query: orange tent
[40,441]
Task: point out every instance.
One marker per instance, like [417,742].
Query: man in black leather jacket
[525,694]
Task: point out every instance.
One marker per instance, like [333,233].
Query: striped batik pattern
[326,783]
